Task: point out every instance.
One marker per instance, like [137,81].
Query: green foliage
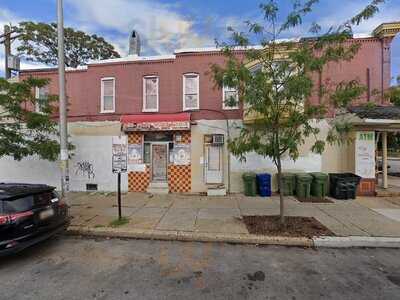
[38,42]
[393,95]
[23,131]
[119,222]
[275,82]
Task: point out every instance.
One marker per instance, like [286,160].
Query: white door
[213,164]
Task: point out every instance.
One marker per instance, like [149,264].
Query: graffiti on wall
[85,168]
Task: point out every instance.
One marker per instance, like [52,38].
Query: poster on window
[181,154]
[134,154]
[365,154]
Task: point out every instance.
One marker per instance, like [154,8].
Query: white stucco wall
[204,127]
[30,170]
[334,159]
[95,149]
[93,145]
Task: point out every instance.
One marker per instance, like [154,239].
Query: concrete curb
[186,236]
[190,236]
[356,241]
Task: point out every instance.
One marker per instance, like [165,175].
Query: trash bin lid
[303,175]
[290,175]
[249,175]
[319,175]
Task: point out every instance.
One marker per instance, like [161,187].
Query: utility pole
[7,48]
[63,101]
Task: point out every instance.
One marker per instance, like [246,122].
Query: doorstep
[158,188]
[216,190]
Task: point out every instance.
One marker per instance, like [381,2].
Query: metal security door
[213,164]
[159,162]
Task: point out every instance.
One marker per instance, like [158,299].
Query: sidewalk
[188,217]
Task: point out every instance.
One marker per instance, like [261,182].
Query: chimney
[134,43]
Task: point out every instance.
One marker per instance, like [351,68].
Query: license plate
[46,214]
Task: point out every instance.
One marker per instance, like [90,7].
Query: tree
[275,83]
[393,93]
[39,44]
[24,131]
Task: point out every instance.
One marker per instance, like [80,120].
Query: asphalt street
[82,268]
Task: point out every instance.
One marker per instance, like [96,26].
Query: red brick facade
[371,66]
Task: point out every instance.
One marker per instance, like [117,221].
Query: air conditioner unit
[218,139]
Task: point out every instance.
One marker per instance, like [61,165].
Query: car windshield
[17,205]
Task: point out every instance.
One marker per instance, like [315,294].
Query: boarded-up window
[108,95]
[150,91]
[190,91]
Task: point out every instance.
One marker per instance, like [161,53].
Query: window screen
[191,91]
[151,93]
[108,94]
[230,98]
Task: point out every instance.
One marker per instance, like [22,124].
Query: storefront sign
[365,154]
[119,154]
[134,154]
[181,154]
[158,126]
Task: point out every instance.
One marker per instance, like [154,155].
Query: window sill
[107,111]
[149,110]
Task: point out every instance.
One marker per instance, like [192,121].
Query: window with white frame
[191,91]
[41,95]
[108,95]
[150,93]
[230,98]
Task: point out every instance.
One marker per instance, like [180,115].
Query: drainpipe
[382,69]
[384,163]
[229,156]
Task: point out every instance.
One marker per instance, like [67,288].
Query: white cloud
[7,17]
[162,30]
[387,13]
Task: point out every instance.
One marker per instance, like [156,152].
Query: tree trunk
[280,185]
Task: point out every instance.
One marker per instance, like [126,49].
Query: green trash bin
[250,184]
[288,183]
[303,185]
[319,185]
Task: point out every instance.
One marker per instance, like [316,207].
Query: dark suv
[29,213]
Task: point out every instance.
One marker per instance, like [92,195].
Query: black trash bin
[343,185]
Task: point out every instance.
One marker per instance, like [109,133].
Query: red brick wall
[83,87]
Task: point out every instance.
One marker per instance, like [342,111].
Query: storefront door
[159,162]
[213,164]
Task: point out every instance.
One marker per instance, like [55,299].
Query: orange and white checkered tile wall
[179,177]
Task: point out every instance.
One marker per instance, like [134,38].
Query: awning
[156,122]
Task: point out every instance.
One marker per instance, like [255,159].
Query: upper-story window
[108,95]
[41,95]
[230,98]
[150,93]
[191,91]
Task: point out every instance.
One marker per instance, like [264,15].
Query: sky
[166,25]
